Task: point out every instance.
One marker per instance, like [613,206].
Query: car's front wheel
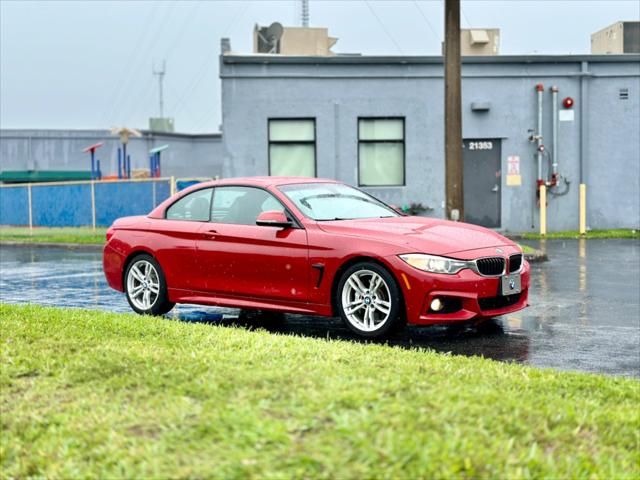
[146,287]
[369,300]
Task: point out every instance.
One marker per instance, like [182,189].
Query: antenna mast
[160,73]
[305,13]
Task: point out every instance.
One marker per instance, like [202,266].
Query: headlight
[433,264]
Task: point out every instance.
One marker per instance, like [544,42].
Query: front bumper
[473,296]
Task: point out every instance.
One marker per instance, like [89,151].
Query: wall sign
[480,145]
[514,179]
[566,115]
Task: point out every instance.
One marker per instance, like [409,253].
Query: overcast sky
[88,64]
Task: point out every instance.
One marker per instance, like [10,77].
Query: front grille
[494,303]
[515,262]
[490,266]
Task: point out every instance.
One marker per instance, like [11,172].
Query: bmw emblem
[499,250]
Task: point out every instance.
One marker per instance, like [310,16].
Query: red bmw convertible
[312,246]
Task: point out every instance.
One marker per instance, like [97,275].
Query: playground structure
[124,159]
[154,160]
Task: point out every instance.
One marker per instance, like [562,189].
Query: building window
[292,147]
[380,151]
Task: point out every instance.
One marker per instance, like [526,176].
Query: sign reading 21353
[480,145]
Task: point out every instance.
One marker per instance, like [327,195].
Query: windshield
[335,201]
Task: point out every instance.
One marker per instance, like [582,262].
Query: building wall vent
[479,37]
[479,41]
[623,94]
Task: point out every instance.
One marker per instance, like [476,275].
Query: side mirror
[273,218]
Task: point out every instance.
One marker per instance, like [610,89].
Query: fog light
[437,305]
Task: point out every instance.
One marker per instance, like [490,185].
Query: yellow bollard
[543,210]
[583,209]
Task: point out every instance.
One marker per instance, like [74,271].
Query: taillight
[110,232]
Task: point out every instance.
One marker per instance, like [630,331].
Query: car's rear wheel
[146,287]
[369,300]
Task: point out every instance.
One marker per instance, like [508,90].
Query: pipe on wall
[540,90]
[584,150]
[555,150]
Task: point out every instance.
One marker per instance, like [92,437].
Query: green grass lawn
[93,394]
[79,235]
[526,249]
[612,233]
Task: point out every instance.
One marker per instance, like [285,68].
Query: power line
[465,16]
[134,73]
[207,63]
[202,121]
[426,19]
[126,72]
[383,26]
[182,29]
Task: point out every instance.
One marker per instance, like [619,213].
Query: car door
[241,259]
[175,238]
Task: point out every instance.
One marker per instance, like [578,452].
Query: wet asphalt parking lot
[584,313]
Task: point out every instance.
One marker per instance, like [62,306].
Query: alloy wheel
[143,285]
[366,300]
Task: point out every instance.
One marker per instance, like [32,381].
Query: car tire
[369,300]
[146,287]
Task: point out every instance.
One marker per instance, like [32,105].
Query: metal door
[482,181]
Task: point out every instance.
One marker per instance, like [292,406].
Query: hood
[420,234]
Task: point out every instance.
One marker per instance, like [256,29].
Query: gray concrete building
[187,156]
[377,122]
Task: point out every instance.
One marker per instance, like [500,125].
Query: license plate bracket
[510,284]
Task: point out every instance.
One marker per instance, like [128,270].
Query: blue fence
[80,203]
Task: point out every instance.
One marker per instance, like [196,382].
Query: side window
[194,206]
[241,205]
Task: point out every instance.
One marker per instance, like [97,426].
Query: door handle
[210,234]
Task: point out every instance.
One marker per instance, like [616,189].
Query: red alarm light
[567,102]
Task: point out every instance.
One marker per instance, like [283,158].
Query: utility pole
[453,112]
[160,73]
[305,13]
